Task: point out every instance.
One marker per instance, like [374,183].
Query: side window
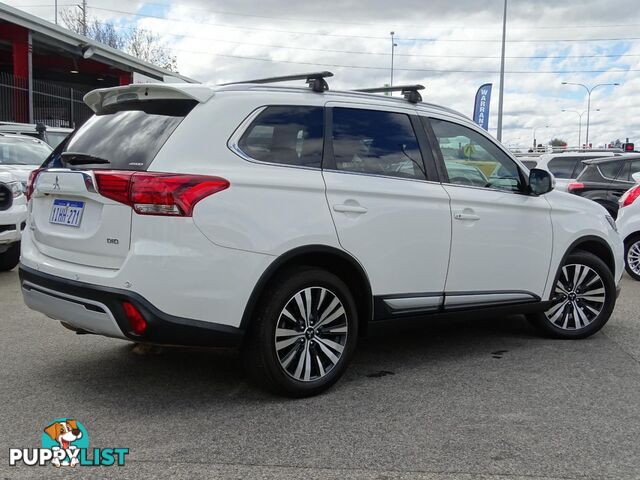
[472,159]
[610,169]
[286,135]
[565,167]
[628,170]
[635,168]
[376,142]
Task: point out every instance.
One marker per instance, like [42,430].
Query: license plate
[66,212]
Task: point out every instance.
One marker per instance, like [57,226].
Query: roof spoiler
[98,99]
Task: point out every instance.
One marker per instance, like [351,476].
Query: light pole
[589,90]
[580,123]
[393,47]
[501,94]
[535,144]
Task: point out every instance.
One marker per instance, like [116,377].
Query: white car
[13,216]
[21,154]
[629,226]
[566,166]
[286,220]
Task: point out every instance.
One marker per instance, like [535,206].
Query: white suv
[285,220]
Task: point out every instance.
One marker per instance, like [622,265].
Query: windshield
[129,135]
[22,151]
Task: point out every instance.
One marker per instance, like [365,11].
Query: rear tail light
[136,321]
[630,196]
[154,193]
[572,187]
[31,183]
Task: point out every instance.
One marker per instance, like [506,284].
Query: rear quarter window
[130,134]
[610,169]
[286,135]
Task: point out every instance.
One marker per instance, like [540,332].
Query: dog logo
[66,435]
[65,443]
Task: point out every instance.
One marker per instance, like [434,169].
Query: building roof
[50,33]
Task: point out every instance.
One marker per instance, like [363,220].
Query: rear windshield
[22,151]
[129,134]
[565,167]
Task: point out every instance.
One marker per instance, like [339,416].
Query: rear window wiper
[73,158]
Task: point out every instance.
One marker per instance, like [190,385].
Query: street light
[580,123]
[535,144]
[589,90]
[393,47]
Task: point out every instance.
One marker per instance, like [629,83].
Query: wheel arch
[593,244]
[329,258]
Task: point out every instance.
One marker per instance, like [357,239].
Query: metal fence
[54,105]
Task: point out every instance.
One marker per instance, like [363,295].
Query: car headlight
[612,222]
[16,188]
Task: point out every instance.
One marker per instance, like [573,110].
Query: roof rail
[315,80]
[410,92]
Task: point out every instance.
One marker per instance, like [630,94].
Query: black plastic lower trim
[162,328]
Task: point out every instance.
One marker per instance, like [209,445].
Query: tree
[558,142]
[138,42]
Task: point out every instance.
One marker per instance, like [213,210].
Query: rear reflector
[31,183]
[136,321]
[154,193]
[630,196]
[575,186]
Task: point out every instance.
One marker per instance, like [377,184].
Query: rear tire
[583,297]
[10,257]
[632,256]
[295,354]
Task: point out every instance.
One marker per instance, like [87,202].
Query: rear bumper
[98,309]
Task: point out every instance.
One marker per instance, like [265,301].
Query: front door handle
[347,208]
[466,216]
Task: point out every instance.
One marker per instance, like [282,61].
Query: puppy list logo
[65,443]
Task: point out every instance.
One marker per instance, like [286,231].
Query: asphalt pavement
[464,399]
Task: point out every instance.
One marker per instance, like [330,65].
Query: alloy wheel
[633,257]
[579,297]
[311,334]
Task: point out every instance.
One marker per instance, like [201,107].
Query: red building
[45,70]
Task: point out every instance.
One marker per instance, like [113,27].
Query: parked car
[20,154]
[629,227]
[529,162]
[566,166]
[296,220]
[51,135]
[605,180]
[13,214]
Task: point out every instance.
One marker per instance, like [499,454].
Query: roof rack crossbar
[315,80]
[411,92]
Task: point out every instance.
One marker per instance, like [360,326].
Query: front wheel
[582,299]
[10,257]
[304,334]
[632,257]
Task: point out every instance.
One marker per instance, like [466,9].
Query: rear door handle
[346,208]
[466,216]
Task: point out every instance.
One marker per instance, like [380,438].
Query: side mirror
[636,177]
[540,181]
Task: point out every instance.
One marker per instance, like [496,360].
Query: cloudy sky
[452,47]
